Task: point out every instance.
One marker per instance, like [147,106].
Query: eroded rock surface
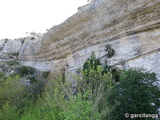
[132,27]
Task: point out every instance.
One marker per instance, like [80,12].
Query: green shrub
[110,51]
[99,86]
[89,101]
[42,110]
[116,74]
[12,75]
[24,70]
[9,112]
[11,63]
[134,94]
[11,89]
[2,75]
[11,93]
[45,74]
[95,95]
[15,54]
[83,106]
[91,63]
[78,108]
[32,79]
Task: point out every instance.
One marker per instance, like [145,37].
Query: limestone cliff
[132,27]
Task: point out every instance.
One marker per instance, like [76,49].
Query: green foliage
[15,54]
[106,68]
[2,75]
[45,107]
[15,97]
[32,79]
[24,70]
[94,95]
[110,51]
[11,93]
[10,90]
[11,63]
[78,108]
[45,74]
[116,74]
[32,92]
[99,85]
[86,105]
[134,94]
[9,112]
[43,110]
[97,80]
[12,75]
[20,102]
[89,101]
[91,63]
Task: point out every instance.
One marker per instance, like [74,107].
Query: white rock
[2,42]
[12,46]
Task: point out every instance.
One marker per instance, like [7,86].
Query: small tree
[92,90]
[134,94]
[96,79]
[91,63]
[110,51]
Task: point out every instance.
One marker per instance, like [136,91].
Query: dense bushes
[16,97]
[11,90]
[9,112]
[2,75]
[95,95]
[24,70]
[11,63]
[135,93]
[89,102]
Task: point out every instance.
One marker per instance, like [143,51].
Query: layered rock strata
[131,27]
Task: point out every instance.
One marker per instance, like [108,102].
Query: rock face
[131,27]
[9,48]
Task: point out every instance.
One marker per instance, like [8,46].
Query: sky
[17,17]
